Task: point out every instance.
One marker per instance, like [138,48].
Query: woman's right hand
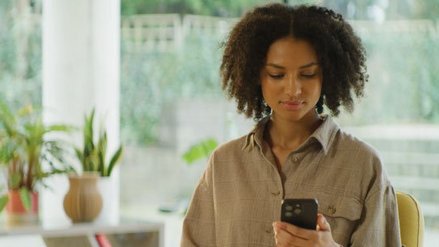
[287,235]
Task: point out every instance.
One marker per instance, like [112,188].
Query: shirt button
[275,193]
[331,209]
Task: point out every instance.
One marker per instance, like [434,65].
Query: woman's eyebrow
[308,65]
[277,66]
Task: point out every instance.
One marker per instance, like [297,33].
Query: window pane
[20,52]
[172,99]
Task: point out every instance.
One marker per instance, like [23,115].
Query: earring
[319,105]
[267,108]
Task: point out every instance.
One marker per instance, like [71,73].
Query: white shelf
[68,232]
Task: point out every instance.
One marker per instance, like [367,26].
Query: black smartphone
[300,212]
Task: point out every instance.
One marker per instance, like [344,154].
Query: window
[171,96]
[20,52]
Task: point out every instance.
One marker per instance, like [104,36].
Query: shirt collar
[324,134]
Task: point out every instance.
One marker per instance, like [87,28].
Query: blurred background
[171,98]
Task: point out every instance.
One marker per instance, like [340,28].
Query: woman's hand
[287,235]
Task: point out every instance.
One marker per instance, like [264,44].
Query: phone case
[300,212]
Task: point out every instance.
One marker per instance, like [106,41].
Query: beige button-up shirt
[240,194]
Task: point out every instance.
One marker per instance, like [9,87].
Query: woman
[284,65]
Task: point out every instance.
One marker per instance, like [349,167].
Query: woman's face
[291,79]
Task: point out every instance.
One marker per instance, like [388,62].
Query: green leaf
[101,153]
[79,155]
[8,150]
[200,150]
[7,118]
[24,146]
[59,128]
[25,198]
[116,157]
[15,180]
[88,135]
[3,201]
[94,153]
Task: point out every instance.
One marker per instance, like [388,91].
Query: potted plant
[93,154]
[30,153]
[94,158]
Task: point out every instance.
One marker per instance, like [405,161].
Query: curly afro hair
[340,53]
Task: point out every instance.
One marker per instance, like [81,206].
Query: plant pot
[16,213]
[83,201]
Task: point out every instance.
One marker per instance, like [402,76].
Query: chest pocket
[343,214]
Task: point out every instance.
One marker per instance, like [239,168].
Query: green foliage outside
[403,85]
[397,9]
[404,82]
[151,80]
[225,8]
[20,55]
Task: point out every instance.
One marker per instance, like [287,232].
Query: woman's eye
[308,75]
[276,76]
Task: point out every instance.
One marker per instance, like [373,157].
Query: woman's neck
[289,135]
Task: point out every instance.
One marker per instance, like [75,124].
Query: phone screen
[300,212]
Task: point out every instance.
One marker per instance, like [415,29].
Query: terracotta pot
[16,213]
[83,202]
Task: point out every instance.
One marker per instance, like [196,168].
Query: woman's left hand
[287,235]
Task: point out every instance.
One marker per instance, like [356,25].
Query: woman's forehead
[290,51]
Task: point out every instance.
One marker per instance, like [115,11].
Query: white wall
[81,47]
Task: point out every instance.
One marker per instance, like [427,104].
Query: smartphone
[300,212]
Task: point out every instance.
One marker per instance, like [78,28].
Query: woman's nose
[293,87]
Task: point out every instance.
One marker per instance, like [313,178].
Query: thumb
[322,223]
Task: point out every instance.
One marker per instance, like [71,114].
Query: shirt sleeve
[199,222]
[379,224]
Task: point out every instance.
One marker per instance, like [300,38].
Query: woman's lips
[292,105]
